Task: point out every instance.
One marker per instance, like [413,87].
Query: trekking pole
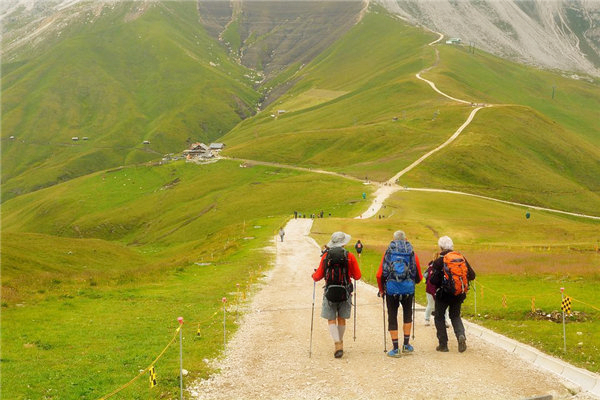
[383,309]
[312,316]
[413,317]
[355,289]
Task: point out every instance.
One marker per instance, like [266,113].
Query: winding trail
[268,358]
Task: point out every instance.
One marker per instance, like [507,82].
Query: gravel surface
[268,358]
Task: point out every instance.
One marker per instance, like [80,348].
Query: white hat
[445,243]
[338,239]
[399,235]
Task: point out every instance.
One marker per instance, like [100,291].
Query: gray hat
[338,239]
[399,235]
[445,243]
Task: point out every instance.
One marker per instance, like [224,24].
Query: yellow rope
[145,370]
[583,302]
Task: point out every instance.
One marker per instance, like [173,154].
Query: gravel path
[268,358]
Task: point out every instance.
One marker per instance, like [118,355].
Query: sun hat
[338,239]
[399,235]
[445,243]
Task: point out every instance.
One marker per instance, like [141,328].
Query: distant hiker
[337,266]
[358,247]
[398,273]
[295,214]
[281,233]
[451,275]
[430,293]
[321,214]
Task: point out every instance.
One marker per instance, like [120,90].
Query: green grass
[96,270]
[522,156]
[484,78]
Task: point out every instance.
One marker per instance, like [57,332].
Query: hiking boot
[462,343]
[394,353]
[339,350]
[447,324]
[443,348]
[427,323]
[407,348]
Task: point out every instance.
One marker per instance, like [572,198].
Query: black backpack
[337,279]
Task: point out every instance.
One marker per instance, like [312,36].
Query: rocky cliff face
[559,34]
[271,35]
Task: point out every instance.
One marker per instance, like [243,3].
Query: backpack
[399,268]
[337,279]
[455,280]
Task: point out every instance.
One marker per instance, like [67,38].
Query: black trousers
[453,303]
[393,304]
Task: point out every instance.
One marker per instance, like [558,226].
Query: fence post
[562,297]
[224,300]
[180,319]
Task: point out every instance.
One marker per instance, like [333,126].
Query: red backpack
[455,274]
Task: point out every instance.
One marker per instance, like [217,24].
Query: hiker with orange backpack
[337,266]
[398,273]
[451,275]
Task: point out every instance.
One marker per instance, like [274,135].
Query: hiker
[430,293]
[451,275]
[295,214]
[337,266]
[398,273]
[281,233]
[358,247]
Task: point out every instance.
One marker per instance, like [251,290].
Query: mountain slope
[130,75]
[359,109]
[556,34]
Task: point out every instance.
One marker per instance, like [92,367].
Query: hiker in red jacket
[398,273]
[337,266]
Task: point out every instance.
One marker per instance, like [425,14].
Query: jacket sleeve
[380,280]
[320,272]
[419,276]
[353,268]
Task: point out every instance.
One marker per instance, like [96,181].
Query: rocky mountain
[271,35]
[554,34]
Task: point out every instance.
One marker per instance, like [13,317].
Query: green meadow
[97,270]
[104,247]
[515,258]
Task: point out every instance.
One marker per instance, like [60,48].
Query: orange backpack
[455,274]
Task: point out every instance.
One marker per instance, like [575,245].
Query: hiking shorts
[331,310]
[393,304]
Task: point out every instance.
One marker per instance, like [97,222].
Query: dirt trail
[268,358]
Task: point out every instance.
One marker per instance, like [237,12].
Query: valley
[378,124]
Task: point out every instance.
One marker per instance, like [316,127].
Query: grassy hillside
[482,77]
[356,108]
[119,80]
[359,109]
[518,154]
[95,271]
